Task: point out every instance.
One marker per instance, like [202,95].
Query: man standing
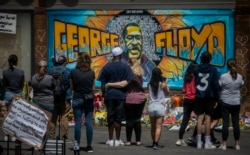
[207,92]
[114,98]
[62,106]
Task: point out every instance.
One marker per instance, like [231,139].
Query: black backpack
[59,89]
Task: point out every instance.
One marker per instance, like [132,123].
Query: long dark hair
[232,68]
[12,61]
[189,72]
[83,62]
[155,79]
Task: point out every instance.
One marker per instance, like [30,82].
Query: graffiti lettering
[73,39]
[189,42]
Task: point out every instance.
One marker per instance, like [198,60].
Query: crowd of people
[210,95]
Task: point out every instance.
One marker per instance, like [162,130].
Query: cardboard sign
[26,122]
[8,23]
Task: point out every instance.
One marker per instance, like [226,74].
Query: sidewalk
[167,140]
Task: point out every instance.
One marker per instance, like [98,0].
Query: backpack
[60,89]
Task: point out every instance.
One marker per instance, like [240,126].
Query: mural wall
[169,39]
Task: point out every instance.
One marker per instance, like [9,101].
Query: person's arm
[164,87]
[71,84]
[120,84]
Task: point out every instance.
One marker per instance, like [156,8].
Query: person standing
[158,88]
[207,93]
[61,102]
[188,102]
[230,84]
[43,86]
[82,80]
[114,98]
[133,111]
[13,80]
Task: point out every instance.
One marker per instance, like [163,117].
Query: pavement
[167,141]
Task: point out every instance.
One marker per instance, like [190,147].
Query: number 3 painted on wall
[204,77]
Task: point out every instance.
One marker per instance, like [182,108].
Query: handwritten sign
[8,23]
[26,122]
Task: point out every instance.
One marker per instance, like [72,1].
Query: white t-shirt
[230,89]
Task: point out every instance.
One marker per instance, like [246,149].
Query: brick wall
[242,48]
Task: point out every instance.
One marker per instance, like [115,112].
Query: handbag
[135,98]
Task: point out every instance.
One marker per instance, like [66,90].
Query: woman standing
[188,103]
[133,111]
[158,88]
[43,86]
[82,84]
[13,79]
[230,83]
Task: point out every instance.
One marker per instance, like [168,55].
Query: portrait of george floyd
[132,43]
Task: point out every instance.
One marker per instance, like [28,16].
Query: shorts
[204,106]
[156,109]
[8,97]
[115,110]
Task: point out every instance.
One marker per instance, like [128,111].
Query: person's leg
[153,127]
[129,110]
[187,109]
[199,130]
[235,121]
[110,117]
[78,112]
[88,110]
[119,114]
[225,125]
[137,128]
[159,121]
[53,124]
[66,109]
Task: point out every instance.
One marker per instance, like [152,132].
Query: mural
[169,39]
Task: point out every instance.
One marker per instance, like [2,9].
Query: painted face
[133,41]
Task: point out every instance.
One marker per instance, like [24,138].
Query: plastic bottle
[76,148]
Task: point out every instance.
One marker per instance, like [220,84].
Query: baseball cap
[117,51]
[42,63]
[61,59]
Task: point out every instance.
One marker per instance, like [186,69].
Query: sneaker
[199,145]
[119,143]
[223,147]
[192,140]
[110,142]
[156,147]
[215,141]
[181,142]
[209,146]
[89,149]
[237,147]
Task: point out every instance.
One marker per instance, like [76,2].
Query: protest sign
[26,122]
[8,23]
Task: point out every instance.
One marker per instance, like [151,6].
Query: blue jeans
[81,107]
[9,96]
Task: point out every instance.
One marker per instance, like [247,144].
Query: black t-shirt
[83,82]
